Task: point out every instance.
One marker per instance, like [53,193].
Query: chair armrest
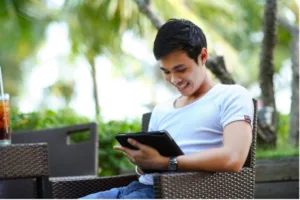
[220,185]
[76,187]
[166,185]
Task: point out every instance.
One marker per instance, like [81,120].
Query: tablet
[160,140]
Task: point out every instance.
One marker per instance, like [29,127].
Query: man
[210,122]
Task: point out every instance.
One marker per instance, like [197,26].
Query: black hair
[179,34]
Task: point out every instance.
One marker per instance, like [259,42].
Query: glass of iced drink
[4,120]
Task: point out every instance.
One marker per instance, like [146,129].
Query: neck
[206,85]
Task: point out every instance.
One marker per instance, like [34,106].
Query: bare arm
[237,139]
[231,157]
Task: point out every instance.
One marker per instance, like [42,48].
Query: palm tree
[23,24]
[96,28]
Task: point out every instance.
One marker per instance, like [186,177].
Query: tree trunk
[95,85]
[268,114]
[294,112]
[216,65]
[146,8]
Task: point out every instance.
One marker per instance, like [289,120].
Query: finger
[122,149]
[136,144]
[119,148]
[125,151]
[129,157]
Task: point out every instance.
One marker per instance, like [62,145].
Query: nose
[174,79]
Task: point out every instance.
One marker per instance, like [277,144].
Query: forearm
[215,160]
[218,159]
[229,158]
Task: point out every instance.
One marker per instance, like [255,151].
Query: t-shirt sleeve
[236,106]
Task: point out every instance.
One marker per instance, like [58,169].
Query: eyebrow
[174,68]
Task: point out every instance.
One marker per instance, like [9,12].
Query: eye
[166,72]
[181,70]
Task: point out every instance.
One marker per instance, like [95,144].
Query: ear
[202,58]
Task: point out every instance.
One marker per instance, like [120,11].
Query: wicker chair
[194,185]
[65,159]
[24,161]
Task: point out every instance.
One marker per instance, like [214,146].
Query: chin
[186,93]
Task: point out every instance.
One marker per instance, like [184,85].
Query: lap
[132,191]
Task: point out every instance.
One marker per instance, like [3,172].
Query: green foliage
[63,89]
[22,25]
[277,153]
[44,119]
[283,130]
[111,162]
[283,149]
[96,26]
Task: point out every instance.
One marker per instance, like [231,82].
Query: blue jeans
[135,190]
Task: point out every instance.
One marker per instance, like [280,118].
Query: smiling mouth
[182,86]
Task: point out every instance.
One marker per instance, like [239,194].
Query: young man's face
[183,72]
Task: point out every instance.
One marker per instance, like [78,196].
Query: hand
[145,157]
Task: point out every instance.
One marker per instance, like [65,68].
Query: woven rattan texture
[23,161]
[145,121]
[194,185]
[250,162]
[79,187]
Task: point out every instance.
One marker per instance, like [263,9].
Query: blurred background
[73,61]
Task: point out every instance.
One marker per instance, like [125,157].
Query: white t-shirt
[199,126]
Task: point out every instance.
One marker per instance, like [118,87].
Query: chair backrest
[250,161]
[66,159]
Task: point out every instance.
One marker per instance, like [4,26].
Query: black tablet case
[160,140]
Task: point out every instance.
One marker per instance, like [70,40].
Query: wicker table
[21,161]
